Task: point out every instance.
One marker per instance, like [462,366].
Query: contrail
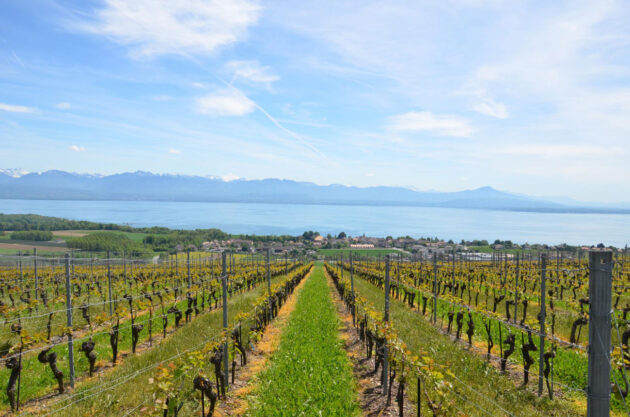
[279,125]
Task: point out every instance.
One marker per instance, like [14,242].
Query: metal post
[225,316]
[188,266]
[543,332]
[351,276]
[21,274]
[386,319]
[109,286]
[69,317]
[36,276]
[518,273]
[124,268]
[599,329]
[268,272]
[435,274]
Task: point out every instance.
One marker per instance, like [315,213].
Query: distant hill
[145,186]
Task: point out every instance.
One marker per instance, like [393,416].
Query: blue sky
[530,97]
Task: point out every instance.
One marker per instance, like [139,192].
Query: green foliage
[104,241]
[36,222]
[35,235]
[310,235]
[168,241]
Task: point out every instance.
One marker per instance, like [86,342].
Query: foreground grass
[479,388]
[310,374]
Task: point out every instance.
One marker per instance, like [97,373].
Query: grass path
[310,374]
[236,403]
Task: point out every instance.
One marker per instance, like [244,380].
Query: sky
[531,97]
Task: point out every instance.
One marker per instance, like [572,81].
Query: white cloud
[174,151]
[198,85]
[182,27]
[16,109]
[63,105]
[251,71]
[225,102]
[441,125]
[491,108]
[559,151]
[77,148]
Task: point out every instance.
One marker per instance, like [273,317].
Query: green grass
[310,374]
[478,381]
[360,252]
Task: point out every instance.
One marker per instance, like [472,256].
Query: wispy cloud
[63,106]
[183,27]
[77,148]
[225,102]
[251,71]
[424,121]
[491,108]
[17,109]
[559,151]
[174,151]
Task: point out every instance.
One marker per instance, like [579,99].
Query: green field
[310,374]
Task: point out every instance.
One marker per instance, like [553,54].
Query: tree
[341,235]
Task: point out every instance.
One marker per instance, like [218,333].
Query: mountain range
[146,186]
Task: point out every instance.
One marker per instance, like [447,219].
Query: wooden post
[599,329]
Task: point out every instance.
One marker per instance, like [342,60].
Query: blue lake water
[456,224]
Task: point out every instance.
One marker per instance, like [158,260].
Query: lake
[293,219]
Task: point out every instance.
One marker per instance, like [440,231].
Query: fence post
[518,273]
[36,276]
[109,285]
[124,269]
[21,274]
[599,329]
[435,288]
[543,332]
[385,379]
[69,317]
[352,286]
[225,315]
[188,266]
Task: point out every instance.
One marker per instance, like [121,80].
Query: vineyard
[260,335]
